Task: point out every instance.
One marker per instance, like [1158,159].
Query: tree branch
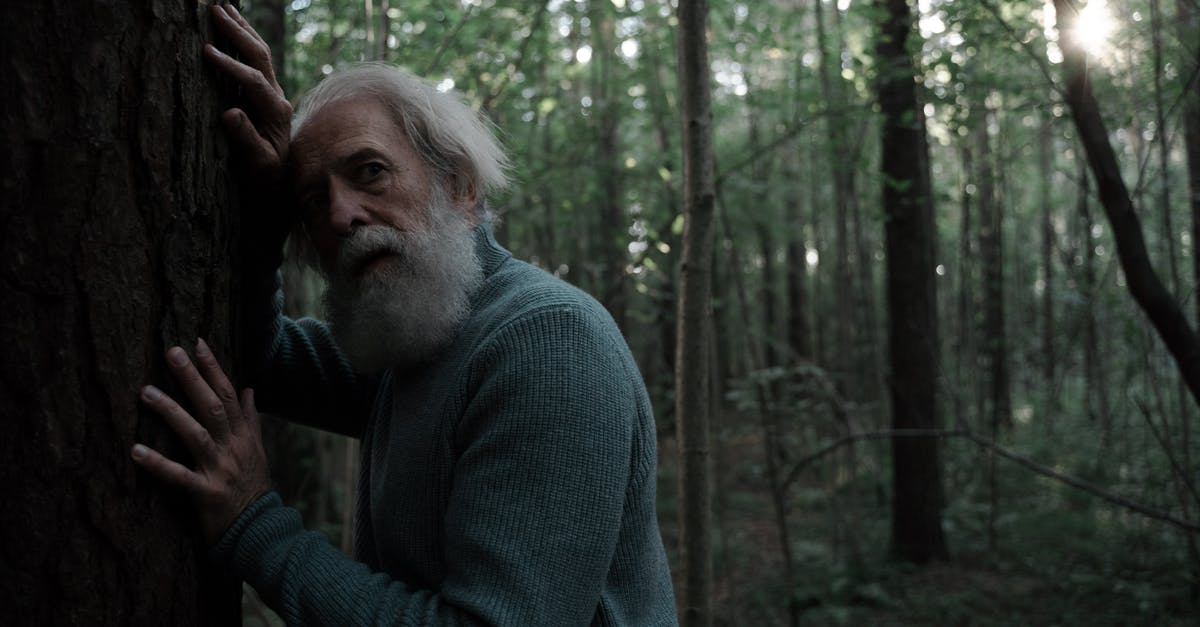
[1029,464]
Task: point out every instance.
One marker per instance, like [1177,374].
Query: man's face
[353,166]
[397,251]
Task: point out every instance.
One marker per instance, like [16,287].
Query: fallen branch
[1040,469]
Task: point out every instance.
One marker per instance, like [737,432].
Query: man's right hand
[260,131]
[263,129]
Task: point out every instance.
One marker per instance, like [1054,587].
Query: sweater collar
[491,254]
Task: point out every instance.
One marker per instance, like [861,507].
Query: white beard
[399,314]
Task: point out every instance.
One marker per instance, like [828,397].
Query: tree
[912,302]
[695,313]
[119,240]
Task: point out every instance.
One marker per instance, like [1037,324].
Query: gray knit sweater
[510,482]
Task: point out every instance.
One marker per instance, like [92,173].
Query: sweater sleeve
[295,366]
[544,455]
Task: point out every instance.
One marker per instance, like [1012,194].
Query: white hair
[456,142]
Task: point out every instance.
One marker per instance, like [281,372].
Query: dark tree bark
[1145,286]
[912,301]
[693,343]
[118,241]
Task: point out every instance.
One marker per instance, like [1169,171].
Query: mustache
[368,243]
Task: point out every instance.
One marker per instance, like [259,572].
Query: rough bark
[917,498]
[117,241]
[692,385]
[1145,286]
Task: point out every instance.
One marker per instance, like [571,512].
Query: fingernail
[202,348]
[151,393]
[177,357]
[139,451]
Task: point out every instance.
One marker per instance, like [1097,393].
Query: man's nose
[346,212]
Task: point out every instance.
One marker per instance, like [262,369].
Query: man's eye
[370,171]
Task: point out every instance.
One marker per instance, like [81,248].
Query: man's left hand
[225,440]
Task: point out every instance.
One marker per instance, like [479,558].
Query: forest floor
[1055,560]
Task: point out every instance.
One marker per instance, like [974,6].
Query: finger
[249,411]
[245,40]
[264,94]
[232,24]
[196,438]
[258,151]
[237,17]
[210,411]
[211,370]
[166,469]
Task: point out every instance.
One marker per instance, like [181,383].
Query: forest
[1068,464]
[948,359]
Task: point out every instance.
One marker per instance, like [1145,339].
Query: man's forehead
[343,120]
[342,128]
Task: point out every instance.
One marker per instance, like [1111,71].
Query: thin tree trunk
[1049,358]
[991,253]
[912,301]
[611,210]
[384,29]
[119,239]
[965,346]
[695,290]
[370,54]
[772,429]
[843,195]
[1188,20]
[1095,391]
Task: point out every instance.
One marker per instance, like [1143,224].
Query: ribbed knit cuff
[233,545]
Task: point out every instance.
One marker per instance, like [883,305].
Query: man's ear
[463,192]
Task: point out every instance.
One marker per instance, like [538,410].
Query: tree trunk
[118,241]
[1045,183]
[912,301]
[695,311]
[1188,19]
[611,210]
[1144,283]
[964,348]
[1095,391]
[991,256]
[843,196]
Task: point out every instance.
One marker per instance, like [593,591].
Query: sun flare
[1093,27]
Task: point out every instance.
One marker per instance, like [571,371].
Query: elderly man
[508,467]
